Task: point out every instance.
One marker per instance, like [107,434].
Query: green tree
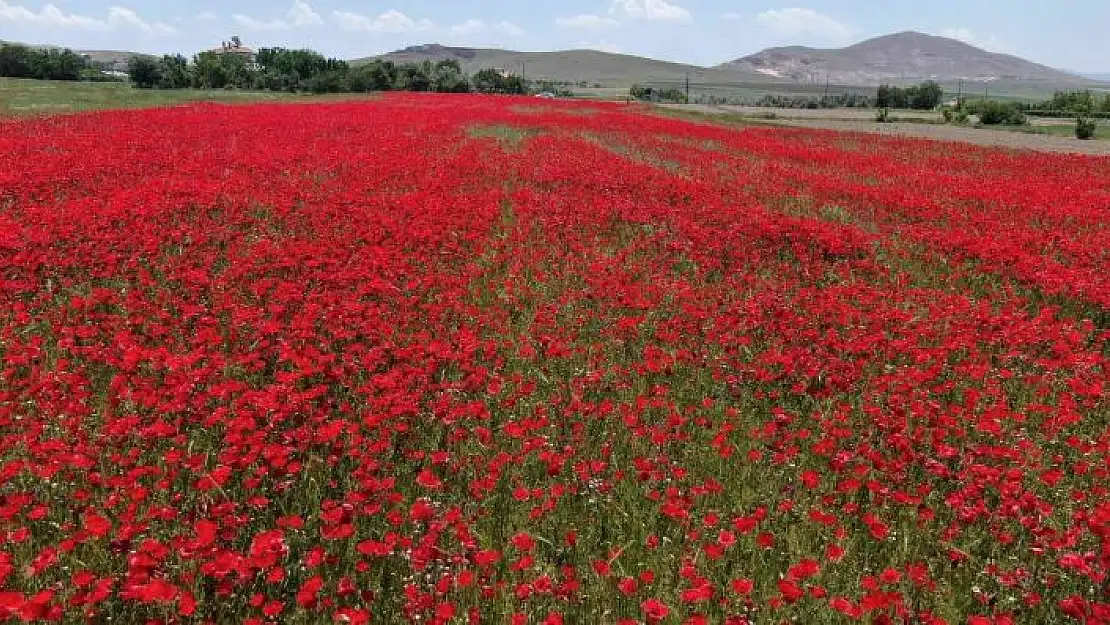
[447,77]
[144,71]
[15,61]
[412,77]
[888,97]
[492,81]
[175,72]
[377,75]
[1085,127]
[18,61]
[209,71]
[927,96]
[1073,101]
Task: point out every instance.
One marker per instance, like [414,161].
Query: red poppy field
[481,360]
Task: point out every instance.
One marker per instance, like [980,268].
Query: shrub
[993,113]
[1085,127]
[956,116]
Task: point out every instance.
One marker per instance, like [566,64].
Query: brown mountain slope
[573,65]
[906,56]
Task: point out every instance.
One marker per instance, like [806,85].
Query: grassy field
[1066,129]
[39,97]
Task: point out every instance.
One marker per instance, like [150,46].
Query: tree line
[272,69]
[1085,102]
[18,61]
[281,69]
[924,97]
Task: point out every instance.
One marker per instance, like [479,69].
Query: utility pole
[687,87]
[826,86]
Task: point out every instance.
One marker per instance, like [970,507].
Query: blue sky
[1069,34]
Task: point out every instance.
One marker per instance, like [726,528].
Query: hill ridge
[902,56]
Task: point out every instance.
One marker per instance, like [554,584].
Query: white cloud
[476,26]
[50,16]
[990,44]
[469,27]
[797,22]
[300,14]
[654,10]
[586,20]
[127,17]
[208,16]
[392,21]
[250,23]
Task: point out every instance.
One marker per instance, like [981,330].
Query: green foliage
[1098,114]
[447,77]
[18,61]
[210,71]
[328,81]
[831,101]
[175,74]
[1072,102]
[995,113]
[376,75]
[653,94]
[493,81]
[272,69]
[955,115]
[923,97]
[1085,127]
[145,72]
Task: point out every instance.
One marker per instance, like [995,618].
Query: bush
[655,94]
[1085,128]
[956,116]
[993,113]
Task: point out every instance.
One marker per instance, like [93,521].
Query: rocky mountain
[907,56]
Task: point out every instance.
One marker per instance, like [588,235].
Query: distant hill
[899,58]
[114,59]
[908,56]
[590,66]
[1102,76]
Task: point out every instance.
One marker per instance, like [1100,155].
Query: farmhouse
[234,47]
